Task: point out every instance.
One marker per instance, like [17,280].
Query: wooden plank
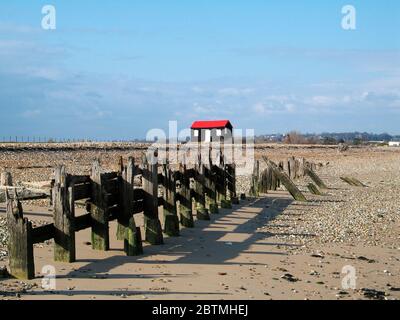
[110,186]
[43,233]
[64,215]
[76,179]
[42,185]
[138,207]
[82,222]
[112,199]
[20,244]
[24,194]
[138,194]
[82,191]
[109,176]
[98,210]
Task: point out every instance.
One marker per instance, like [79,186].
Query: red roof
[213,124]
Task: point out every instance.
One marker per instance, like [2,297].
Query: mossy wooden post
[126,176]
[202,212]
[20,244]
[127,230]
[64,215]
[185,197]
[210,184]
[133,239]
[152,224]
[121,225]
[98,210]
[171,220]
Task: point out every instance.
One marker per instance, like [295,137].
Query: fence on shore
[112,196]
[109,196]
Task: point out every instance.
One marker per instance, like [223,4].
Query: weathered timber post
[232,184]
[63,215]
[286,168]
[6,179]
[121,169]
[185,197]
[263,185]
[221,181]
[254,190]
[285,180]
[302,166]
[210,184]
[311,173]
[152,224]
[20,244]
[125,201]
[171,220]
[313,189]
[353,181]
[99,210]
[133,240]
[127,229]
[202,212]
[292,168]
[227,202]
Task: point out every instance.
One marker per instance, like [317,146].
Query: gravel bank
[3,238]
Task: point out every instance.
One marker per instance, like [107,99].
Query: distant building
[211,131]
[394,143]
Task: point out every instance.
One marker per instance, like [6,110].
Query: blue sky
[116,69]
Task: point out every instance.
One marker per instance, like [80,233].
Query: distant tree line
[327,138]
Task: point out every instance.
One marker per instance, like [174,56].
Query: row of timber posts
[284,174]
[112,196]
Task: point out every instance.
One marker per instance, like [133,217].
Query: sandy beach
[270,247]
